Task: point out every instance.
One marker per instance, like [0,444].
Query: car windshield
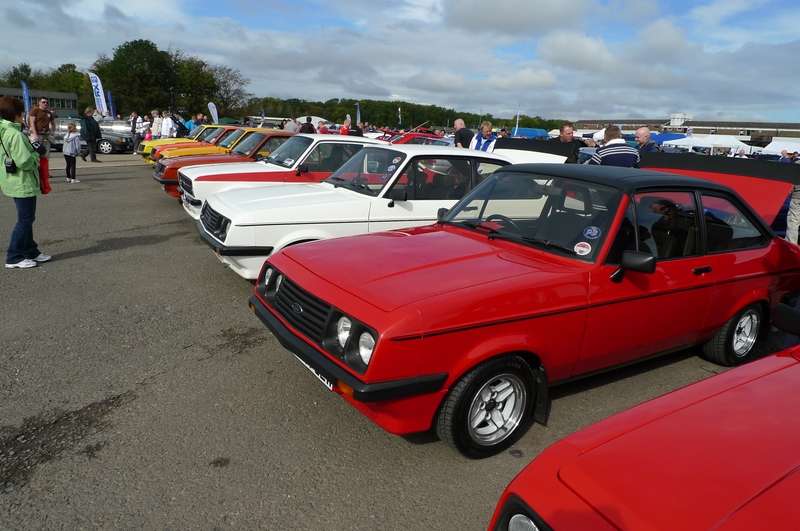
[199,132]
[290,151]
[249,143]
[231,139]
[368,171]
[555,214]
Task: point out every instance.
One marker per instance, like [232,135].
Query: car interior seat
[570,213]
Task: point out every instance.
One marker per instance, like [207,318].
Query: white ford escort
[302,158]
[380,188]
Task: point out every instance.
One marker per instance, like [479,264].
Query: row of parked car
[447,290]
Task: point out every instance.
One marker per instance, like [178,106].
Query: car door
[426,184]
[649,313]
[324,159]
[739,253]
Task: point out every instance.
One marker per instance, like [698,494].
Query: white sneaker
[43,258]
[25,264]
[75,181]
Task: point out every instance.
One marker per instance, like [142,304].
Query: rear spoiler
[764,185]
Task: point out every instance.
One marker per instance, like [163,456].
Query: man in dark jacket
[307,127]
[646,144]
[90,132]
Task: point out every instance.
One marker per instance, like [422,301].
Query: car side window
[625,239]
[438,178]
[272,144]
[329,156]
[668,225]
[484,168]
[727,227]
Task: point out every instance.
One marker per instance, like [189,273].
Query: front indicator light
[343,327]
[366,344]
[267,277]
[520,522]
[278,281]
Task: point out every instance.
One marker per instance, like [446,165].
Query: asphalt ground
[138,391]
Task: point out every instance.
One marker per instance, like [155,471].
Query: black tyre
[735,343]
[489,409]
[105,147]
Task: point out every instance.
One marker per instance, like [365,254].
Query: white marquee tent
[776,146]
[710,141]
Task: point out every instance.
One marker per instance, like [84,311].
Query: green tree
[230,96]
[196,84]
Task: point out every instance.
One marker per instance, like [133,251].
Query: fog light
[343,327]
[520,522]
[366,344]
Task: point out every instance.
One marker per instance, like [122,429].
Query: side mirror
[786,318]
[397,194]
[639,261]
[440,214]
[301,169]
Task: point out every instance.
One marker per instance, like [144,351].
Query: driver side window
[435,179]
[329,156]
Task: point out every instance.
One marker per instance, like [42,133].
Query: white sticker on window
[391,168]
[397,160]
[582,248]
[288,162]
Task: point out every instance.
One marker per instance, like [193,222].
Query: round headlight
[343,326]
[520,522]
[278,281]
[366,344]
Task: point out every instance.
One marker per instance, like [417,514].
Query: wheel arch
[541,411]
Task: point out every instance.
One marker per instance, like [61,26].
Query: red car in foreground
[541,274]
[719,454]
[256,145]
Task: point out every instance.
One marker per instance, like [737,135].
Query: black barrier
[776,171]
[568,150]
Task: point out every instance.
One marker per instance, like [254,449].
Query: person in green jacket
[19,180]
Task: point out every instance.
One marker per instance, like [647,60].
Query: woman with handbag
[19,180]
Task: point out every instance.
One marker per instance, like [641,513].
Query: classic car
[225,133]
[676,462]
[380,188]
[197,135]
[257,144]
[116,135]
[302,158]
[542,274]
[224,144]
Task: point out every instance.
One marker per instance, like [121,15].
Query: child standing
[72,148]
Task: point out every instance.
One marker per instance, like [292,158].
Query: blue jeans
[22,245]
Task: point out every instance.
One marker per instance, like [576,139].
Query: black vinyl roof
[626,179]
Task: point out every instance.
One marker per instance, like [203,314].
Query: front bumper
[333,373]
[191,205]
[225,250]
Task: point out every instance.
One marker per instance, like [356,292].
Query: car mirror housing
[786,318]
[441,214]
[640,261]
[301,169]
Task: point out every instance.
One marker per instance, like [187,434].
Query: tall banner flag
[99,97]
[111,108]
[358,113]
[212,110]
[516,127]
[26,99]
[399,117]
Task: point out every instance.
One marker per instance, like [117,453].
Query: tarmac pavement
[138,391]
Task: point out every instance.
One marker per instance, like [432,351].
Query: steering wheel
[504,219]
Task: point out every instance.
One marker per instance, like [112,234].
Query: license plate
[327,382]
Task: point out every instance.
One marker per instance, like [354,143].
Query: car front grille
[303,310]
[186,185]
[214,222]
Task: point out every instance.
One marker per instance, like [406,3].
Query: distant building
[63,103]
[627,123]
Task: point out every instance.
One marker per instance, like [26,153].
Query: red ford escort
[719,454]
[542,274]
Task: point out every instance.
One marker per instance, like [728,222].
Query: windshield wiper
[528,239]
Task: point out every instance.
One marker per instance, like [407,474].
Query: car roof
[429,149]
[343,138]
[626,179]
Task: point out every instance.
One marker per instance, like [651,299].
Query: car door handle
[701,270]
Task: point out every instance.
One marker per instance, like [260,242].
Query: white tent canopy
[710,141]
[315,120]
[776,146]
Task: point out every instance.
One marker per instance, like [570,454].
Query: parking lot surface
[138,391]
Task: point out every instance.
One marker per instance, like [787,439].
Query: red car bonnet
[431,261]
[764,185]
[195,160]
[679,461]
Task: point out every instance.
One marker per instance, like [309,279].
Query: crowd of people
[155,125]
